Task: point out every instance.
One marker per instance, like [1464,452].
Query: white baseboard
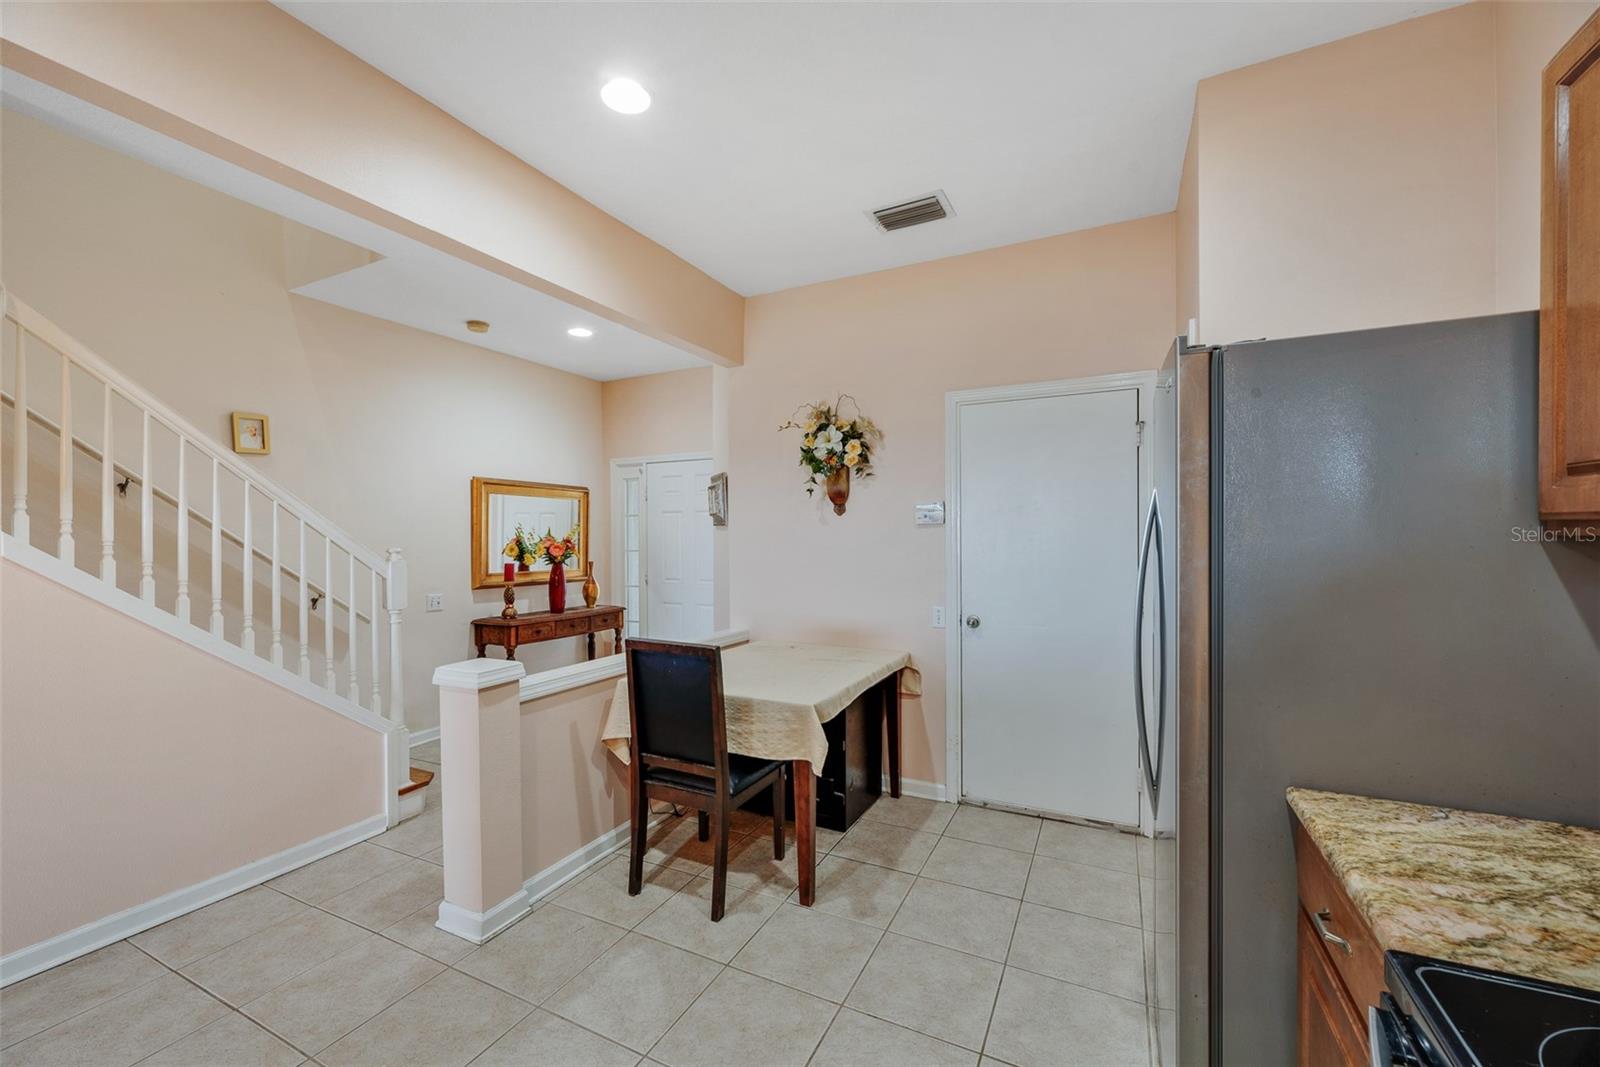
[915,787]
[571,866]
[422,737]
[74,943]
[479,927]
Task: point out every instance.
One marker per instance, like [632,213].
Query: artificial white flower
[841,424]
[853,447]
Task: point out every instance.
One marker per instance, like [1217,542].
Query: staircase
[106,489]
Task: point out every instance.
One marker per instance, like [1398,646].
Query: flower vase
[558,588]
[838,488]
[591,591]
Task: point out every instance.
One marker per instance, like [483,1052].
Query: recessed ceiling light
[477,326]
[580,331]
[625,95]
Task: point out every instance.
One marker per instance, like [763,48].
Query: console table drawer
[544,626]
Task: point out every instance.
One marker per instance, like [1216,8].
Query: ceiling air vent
[930,208]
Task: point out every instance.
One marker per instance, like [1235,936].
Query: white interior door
[679,597]
[1049,541]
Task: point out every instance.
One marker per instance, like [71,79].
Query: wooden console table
[543,626]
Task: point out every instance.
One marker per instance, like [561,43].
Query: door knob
[972,622]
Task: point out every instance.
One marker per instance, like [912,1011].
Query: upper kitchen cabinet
[1569,313]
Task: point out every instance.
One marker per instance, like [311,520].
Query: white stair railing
[30,338]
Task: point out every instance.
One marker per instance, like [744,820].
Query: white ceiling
[776,126]
[413,284]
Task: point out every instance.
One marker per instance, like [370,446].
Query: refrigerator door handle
[1152,765]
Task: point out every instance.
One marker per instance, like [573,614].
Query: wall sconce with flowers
[835,445]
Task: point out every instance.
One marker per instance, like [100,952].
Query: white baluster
[277,595]
[396,589]
[247,635]
[64,546]
[330,679]
[216,548]
[350,634]
[377,664]
[19,450]
[181,605]
[305,637]
[147,530]
[108,500]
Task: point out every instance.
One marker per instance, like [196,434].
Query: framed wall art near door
[717,498]
[500,505]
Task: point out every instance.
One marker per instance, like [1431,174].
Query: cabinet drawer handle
[1319,920]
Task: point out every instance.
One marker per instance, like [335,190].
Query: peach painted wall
[1093,302]
[1187,223]
[163,764]
[573,790]
[250,84]
[1385,178]
[379,426]
[657,414]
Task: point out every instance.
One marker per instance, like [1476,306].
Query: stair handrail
[388,565]
[133,478]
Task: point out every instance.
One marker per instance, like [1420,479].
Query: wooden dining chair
[680,753]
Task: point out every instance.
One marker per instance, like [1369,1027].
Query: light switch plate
[938,618]
[931,514]
[435,602]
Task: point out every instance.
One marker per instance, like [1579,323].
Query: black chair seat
[743,771]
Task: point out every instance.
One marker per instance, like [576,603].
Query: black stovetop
[1480,1018]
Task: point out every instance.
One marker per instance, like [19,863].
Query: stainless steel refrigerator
[1344,588]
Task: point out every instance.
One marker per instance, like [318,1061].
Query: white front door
[679,597]
[1049,499]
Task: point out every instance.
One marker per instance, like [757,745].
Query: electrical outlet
[938,618]
[435,601]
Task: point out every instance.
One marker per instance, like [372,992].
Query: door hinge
[1138,434]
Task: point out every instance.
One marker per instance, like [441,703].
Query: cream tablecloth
[776,696]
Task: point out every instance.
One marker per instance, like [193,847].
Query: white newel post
[480,740]
[394,587]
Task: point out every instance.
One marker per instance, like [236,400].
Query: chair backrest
[675,705]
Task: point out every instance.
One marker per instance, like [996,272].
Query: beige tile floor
[941,935]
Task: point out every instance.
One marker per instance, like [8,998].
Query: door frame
[616,553]
[1144,383]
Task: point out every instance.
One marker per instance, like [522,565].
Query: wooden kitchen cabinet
[1340,964]
[1569,305]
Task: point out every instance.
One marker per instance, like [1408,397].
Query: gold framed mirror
[500,504]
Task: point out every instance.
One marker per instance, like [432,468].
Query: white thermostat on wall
[931,514]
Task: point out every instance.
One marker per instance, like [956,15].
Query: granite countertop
[1514,895]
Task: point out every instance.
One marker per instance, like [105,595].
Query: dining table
[778,697]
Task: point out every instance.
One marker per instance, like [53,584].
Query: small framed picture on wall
[252,434]
[717,499]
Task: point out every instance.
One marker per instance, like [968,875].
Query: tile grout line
[1015,922]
